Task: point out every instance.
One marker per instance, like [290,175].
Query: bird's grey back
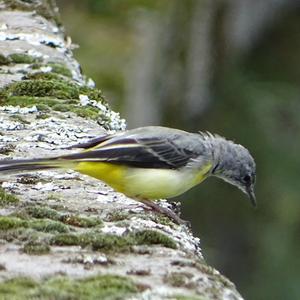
[163,147]
[193,143]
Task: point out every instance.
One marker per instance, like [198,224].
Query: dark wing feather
[151,152]
[148,147]
[91,143]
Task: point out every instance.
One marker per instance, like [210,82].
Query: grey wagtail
[153,162]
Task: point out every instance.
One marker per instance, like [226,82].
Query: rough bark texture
[64,235]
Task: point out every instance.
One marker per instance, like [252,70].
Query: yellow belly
[144,183]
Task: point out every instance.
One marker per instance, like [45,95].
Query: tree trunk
[65,235]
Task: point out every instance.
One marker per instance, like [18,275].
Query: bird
[153,162]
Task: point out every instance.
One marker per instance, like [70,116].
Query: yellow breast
[144,183]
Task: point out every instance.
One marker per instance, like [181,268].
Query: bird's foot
[165,211]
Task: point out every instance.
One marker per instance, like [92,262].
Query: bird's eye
[247,178]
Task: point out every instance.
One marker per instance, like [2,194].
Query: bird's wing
[92,143]
[139,151]
[147,147]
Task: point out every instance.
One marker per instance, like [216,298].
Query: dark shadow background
[229,67]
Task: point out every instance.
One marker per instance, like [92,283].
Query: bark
[65,235]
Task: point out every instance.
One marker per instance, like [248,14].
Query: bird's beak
[251,195]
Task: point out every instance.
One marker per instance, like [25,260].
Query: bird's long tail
[23,165]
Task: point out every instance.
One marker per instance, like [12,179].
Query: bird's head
[237,166]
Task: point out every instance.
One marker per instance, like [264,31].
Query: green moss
[41,86]
[21,58]
[24,227]
[44,76]
[25,101]
[97,287]
[106,287]
[111,243]
[150,237]
[68,239]
[57,71]
[7,198]
[51,90]
[45,103]
[16,288]
[42,104]
[161,219]
[93,94]
[60,69]
[36,248]
[17,234]
[36,66]
[44,88]
[42,212]
[103,242]
[43,107]
[86,112]
[46,225]
[79,221]
[61,107]
[7,223]
[4,60]
[98,242]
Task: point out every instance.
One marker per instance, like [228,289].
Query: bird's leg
[165,211]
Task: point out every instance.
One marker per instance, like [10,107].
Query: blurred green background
[229,67]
